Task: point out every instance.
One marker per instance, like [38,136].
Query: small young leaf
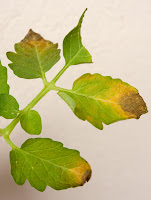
[98,99]
[4,87]
[8,106]
[73,50]
[34,56]
[31,122]
[46,162]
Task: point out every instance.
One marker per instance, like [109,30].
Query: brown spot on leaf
[32,36]
[86,176]
[81,174]
[35,39]
[134,104]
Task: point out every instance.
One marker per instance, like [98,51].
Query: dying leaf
[31,122]
[73,50]
[101,99]
[4,87]
[43,162]
[34,56]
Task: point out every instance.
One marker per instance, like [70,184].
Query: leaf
[73,50]
[31,122]
[101,99]
[34,56]
[8,106]
[4,87]
[46,162]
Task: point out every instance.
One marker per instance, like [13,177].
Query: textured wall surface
[118,35]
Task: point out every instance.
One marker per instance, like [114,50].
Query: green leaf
[46,162]
[98,99]
[8,106]
[73,50]
[34,56]
[31,122]
[4,87]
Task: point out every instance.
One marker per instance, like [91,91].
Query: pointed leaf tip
[73,50]
[81,18]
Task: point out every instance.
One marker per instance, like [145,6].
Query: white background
[118,35]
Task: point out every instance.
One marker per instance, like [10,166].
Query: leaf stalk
[48,86]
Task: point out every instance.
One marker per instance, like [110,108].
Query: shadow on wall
[9,189]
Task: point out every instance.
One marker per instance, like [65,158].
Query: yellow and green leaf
[34,56]
[101,99]
[43,162]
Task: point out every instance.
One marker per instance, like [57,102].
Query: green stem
[54,80]
[7,131]
[48,86]
[45,82]
[43,92]
[7,139]
[61,89]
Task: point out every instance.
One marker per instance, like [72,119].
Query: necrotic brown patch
[134,104]
[86,176]
[32,36]
[34,39]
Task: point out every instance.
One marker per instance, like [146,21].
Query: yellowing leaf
[34,56]
[73,50]
[46,162]
[98,99]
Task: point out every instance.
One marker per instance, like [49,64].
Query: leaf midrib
[48,161]
[70,61]
[40,66]
[86,96]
